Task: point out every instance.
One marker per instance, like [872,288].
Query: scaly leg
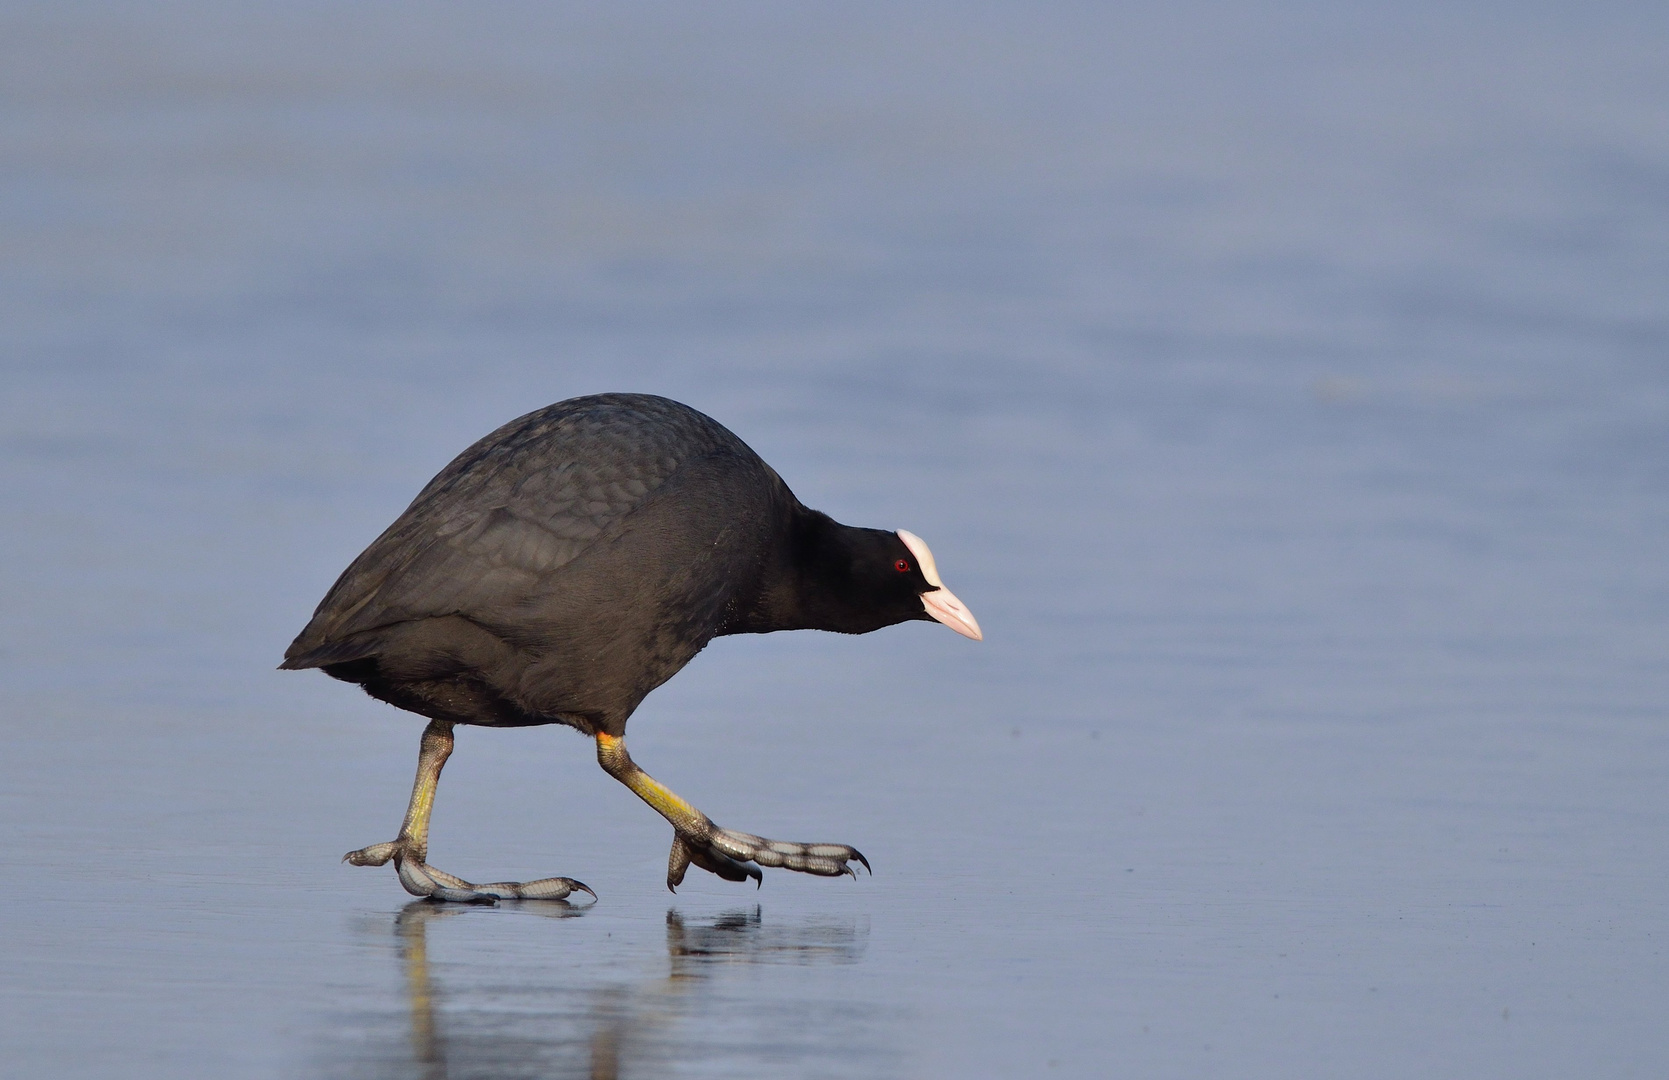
[729,854]
[410,850]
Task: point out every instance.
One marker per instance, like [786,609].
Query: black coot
[572,561]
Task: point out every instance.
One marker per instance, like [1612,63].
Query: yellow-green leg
[732,855]
[410,850]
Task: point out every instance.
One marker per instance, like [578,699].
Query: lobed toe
[827,860]
[375,855]
[552,888]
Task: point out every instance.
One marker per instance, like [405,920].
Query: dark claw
[858,855]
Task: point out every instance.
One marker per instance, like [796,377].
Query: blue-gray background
[1284,386]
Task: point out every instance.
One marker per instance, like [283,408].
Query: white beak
[941,603]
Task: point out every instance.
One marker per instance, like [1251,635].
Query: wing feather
[496,525]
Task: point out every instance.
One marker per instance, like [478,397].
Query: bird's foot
[737,856]
[421,879]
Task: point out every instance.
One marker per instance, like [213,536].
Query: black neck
[816,584]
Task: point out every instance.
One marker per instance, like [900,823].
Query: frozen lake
[1286,390]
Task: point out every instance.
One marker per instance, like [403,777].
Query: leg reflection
[430,1047]
[411,926]
[570,1006]
[743,937]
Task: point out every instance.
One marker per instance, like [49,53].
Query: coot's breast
[569,562]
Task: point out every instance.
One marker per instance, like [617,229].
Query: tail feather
[334,652]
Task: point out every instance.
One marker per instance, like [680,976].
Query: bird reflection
[459,1028]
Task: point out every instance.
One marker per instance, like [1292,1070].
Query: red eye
[902,566]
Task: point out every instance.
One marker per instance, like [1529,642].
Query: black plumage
[570,562]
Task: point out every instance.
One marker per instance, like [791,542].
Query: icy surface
[1285,389]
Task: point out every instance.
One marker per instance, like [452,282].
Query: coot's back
[557,570]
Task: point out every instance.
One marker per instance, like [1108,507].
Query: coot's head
[872,578]
[852,581]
